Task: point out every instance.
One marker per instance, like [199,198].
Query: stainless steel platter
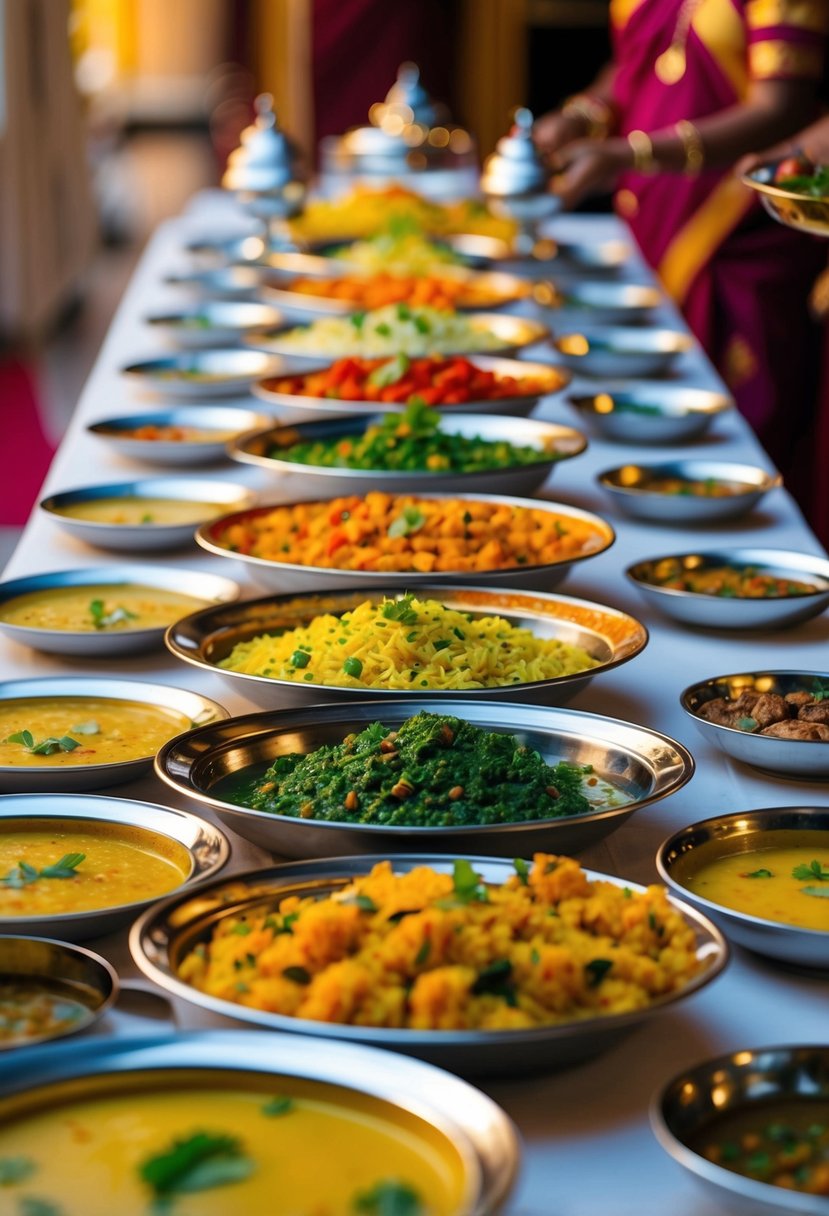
[637,766]
[479,1130]
[233,282]
[224,495]
[287,576]
[791,757]
[47,778]
[161,936]
[207,846]
[737,612]
[597,257]
[600,302]
[650,413]
[621,351]
[553,443]
[550,379]
[203,373]
[630,487]
[205,638]
[607,256]
[739,833]
[217,423]
[214,252]
[102,643]
[749,1079]
[74,971]
[505,289]
[214,322]
[803,212]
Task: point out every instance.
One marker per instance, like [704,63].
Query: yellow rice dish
[430,951]
[408,644]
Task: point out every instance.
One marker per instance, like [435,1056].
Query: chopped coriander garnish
[758,874]
[198,1163]
[389,1199]
[15,1169]
[280,1105]
[299,975]
[811,872]
[596,970]
[522,870]
[23,874]
[102,620]
[411,520]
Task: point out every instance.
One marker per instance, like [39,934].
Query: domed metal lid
[515,167]
[265,159]
[406,100]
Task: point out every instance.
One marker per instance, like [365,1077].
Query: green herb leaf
[241,928]
[812,872]
[24,737]
[411,520]
[596,970]
[101,619]
[424,952]
[758,874]
[819,892]
[357,319]
[522,870]
[30,1205]
[198,1163]
[400,610]
[15,1169]
[747,723]
[389,1199]
[280,1105]
[495,979]
[298,974]
[65,868]
[389,373]
[468,886]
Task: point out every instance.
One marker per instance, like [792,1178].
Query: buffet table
[588,1148]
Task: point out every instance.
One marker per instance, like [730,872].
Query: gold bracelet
[692,145]
[593,111]
[642,149]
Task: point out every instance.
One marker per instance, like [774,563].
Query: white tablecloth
[588,1149]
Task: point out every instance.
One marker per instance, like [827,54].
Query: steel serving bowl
[102,643]
[214,322]
[553,444]
[215,252]
[241,281]
[287,576]
[551,379]
[650,413]
[699,1097]
[737,612]
[504,289]
[221,494]
[49,778]
[203,373]
[218,423]
[621,351]
[630,486]
[512,334]
[606,256]
[478,1129]
[803,212]
[165,933]
[602,302]
[72,970]
[205,638]
[207,846]
[597,257]
[791,757]
[739,833]
[641,765]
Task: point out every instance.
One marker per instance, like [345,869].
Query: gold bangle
[692,145]
[642,149]
[597,115]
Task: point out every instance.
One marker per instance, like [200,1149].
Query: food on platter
[388,532]
[433,380]
[413,442]
[433,771]
[32,1009]
[51,868]
[783,1142]
[138,509]
[395,329]
[405,252]
[366,211]
[438,951]
[99,608]
[707,487]
[796,715]
[169,434]
[408,643]
[732,582]
[781,877]
[800,176]
[65,731]
[432,290]
[250,1145]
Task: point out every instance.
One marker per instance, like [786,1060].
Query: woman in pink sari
[696,84]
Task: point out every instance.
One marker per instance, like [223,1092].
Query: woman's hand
[811,144]
[590,167]
[554,131]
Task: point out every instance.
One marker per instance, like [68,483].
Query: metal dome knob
[265,159]
[515,168]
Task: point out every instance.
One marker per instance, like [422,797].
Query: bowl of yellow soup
[77,865]
[49,989]
[208,1124]
[762,875]
[105,610]
[156,513]
[79,733]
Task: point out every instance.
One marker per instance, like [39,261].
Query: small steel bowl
[642,765]
[791,757]
[68,970]
[650,413]
[512,333]
[733,612]
[618,351]
[207,846]
[740,833]
[206,637]
[630,487]
[552,442]
[286,576]
[602,302]
[448,1115]
[596,257]
[505,289]
[551,379]
[102,643]
[219,423]
[700,1097]
[129,537]
[232,282]
[213,253]
[214,322]
[203,373]
[803,212]
[607,256]
[82,777]
[163,934]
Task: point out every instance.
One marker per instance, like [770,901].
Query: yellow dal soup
[83,730]
[120,865]
[779,880]
[137,510]
[293,1149]
[99,608]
